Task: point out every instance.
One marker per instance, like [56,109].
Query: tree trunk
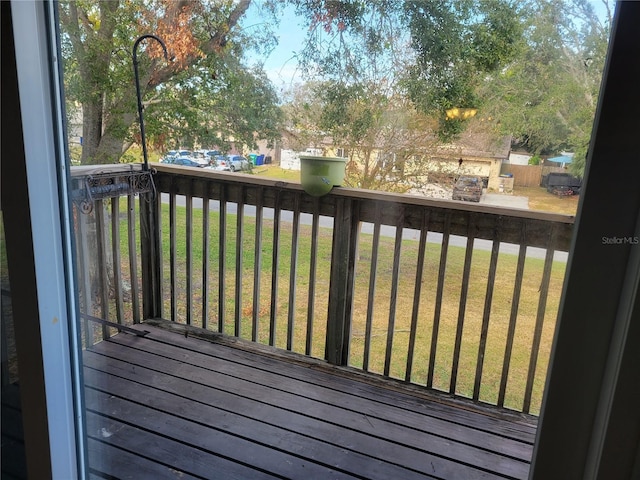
[112,145]
[91,130]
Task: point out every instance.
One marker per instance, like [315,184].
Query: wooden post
[338,320]
[149,248]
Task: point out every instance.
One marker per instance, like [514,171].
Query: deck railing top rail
[376,206]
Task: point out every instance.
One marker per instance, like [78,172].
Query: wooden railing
[454,296]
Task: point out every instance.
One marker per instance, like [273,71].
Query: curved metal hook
[135,71]
[143,37]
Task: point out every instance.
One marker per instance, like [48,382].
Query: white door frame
[40,211]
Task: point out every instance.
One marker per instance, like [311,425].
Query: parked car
[217,162]
[556,179]
[169,157]
[211,156]
[200,157]
[468,187]
[188,162]
[236,163]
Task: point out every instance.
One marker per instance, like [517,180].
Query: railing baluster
[222,258]
[274,270]
[102,263]
[417,293]
[84,275]
[115,253]
[205,257]
[340,289]
[515,302]
[160,256]
[257,266]
[438,303]
[537,334]
[372,287]
[173,260]
[493,263]
[133,257]
[149,246]
[239,249]
[189,254]
[354,236]
[464,289]
[295,234]
[312,274]
[393,300]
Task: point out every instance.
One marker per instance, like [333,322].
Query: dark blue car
[187,162]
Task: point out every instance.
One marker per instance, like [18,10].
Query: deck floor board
[166,406]
[522,431]
[391,418]
[211,410]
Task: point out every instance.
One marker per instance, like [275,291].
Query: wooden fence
[528,175]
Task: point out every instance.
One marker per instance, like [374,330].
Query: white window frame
[35,37]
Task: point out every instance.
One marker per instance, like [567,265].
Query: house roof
[479,144]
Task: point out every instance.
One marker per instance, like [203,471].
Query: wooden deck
[166,406]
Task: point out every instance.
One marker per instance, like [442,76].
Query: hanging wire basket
[101,184]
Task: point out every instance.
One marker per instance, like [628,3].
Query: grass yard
[540,199]
[275,171]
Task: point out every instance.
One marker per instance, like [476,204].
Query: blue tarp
[562,159]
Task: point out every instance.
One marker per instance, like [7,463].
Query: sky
[281,65]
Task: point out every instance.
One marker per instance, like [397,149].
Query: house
[473,154]
[590,421]
[518,158]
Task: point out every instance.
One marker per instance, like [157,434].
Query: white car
[233,163]
[200,157]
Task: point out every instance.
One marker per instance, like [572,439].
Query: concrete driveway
[502,200]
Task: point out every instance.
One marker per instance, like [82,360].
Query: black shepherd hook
[135,69]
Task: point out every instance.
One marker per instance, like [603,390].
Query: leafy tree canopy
[453,44]
[203,95]
[531,67]
[546,97]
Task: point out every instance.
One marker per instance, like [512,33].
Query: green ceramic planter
[319,175]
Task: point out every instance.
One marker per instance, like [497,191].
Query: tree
[546,97]
[302,108]
[458,43]
[453,45]
[231,107]
[533,68]
[390,70]
[203,40]
[385,138]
